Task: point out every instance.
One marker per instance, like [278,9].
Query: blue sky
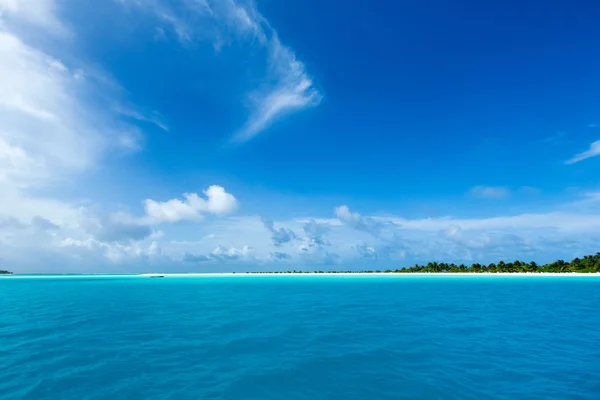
[200,135]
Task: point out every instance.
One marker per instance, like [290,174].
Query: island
[3,272]
[587,264]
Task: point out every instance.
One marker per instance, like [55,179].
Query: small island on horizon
[587,264]
[4,272]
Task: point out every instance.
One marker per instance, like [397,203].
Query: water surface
[322,337]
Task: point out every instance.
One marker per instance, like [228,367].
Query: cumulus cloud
[366,252]
[220,254]
[59,119]
[528,237]
[91,250]
[489,192]
[315,232]
[230,253]
[593,151]
[279,236]
[356,221]
[192,207]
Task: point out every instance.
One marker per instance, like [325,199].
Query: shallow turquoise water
[300,338]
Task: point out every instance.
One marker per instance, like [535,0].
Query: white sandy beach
[366,274]
[310,274]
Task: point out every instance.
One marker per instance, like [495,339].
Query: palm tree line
[587,264]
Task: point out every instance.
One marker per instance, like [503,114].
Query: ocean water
[300,338]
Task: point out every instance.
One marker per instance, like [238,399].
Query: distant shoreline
[586,266]
[309,274]
[231,274]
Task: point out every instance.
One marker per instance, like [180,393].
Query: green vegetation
[2,272]
[587,264]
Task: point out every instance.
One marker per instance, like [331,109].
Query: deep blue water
[300,338]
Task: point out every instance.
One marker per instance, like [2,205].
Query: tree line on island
[587,264]
[3,272]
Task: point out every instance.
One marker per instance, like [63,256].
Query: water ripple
[321,338]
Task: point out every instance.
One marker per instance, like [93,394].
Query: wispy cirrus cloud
[593,151]
[153,118]
[55,123]
[557,138]
[285,87]
[292,91]
[57,120]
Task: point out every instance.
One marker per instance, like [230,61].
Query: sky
[237,135]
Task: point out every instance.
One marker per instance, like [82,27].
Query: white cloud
[292,91]
[593,151]
[39,13]
[153,118]
[120,242]
[55,126]
[230,253]
[367,252]
[173,210]
[115,253]
[218,202]
[489,192]
[53,130]
[220,254]
[562,221]
[55,122]
[45,128]
[355,220]
[285,87]
[315,232]
[279,236]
